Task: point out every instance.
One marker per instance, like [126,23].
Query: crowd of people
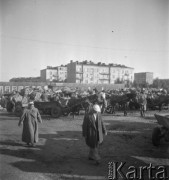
[93,127]
[65,94]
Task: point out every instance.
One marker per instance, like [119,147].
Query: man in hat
[93,129]
[29,119]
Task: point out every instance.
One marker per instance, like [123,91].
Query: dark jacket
[93,130]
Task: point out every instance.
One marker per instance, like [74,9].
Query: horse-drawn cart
[53,108]
[56,108]
[162,131]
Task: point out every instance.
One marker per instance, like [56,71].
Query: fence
[6,87]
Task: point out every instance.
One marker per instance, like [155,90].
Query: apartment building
[58,73]
[143,77]
[61,73]
[87,72]
[121,73]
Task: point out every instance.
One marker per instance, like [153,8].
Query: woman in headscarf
[29,119]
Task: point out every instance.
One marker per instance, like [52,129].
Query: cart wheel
[9,106]
[156,136]
[56,112]
[166,137]
[65,111]
[18,111]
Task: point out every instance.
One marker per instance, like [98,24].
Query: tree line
[157,83]
[25,79]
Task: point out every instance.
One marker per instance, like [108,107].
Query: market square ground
[62,153]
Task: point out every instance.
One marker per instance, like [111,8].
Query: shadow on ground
[65,152]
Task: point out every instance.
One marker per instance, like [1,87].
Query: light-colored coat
[30,118]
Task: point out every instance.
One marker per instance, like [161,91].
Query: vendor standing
[93,130]
[29,119]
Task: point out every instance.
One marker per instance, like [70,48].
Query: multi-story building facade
[49,74]
[143,77]
[61,73]
[54,73]
[87,72]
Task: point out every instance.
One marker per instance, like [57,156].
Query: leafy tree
[25,79]
[161,83]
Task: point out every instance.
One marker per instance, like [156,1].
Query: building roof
[144,73]
[100,64]
[56,67]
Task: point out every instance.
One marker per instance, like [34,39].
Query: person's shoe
[90,158]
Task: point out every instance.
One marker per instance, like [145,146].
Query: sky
[35,34]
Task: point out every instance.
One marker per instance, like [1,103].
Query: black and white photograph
[84,89]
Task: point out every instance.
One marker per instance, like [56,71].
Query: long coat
[30,120]
[142,101]
[93,130]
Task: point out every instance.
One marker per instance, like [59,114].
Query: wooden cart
[161,131]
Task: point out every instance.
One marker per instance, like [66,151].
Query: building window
[79,69]
[127,72]
[91,78]
[77,81]
[1,89]
[14,88]
[20,87]
[7,89]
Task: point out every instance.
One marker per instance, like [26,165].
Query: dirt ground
[61,152]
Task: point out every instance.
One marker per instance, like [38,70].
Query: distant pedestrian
[93,130]
[143,103]
[29,119]
[104,105]
[44,96]
[102,101]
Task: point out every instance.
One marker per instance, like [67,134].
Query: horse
[158,102]
[120,101]
[76,104]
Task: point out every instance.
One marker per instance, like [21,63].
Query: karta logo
[115,172]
